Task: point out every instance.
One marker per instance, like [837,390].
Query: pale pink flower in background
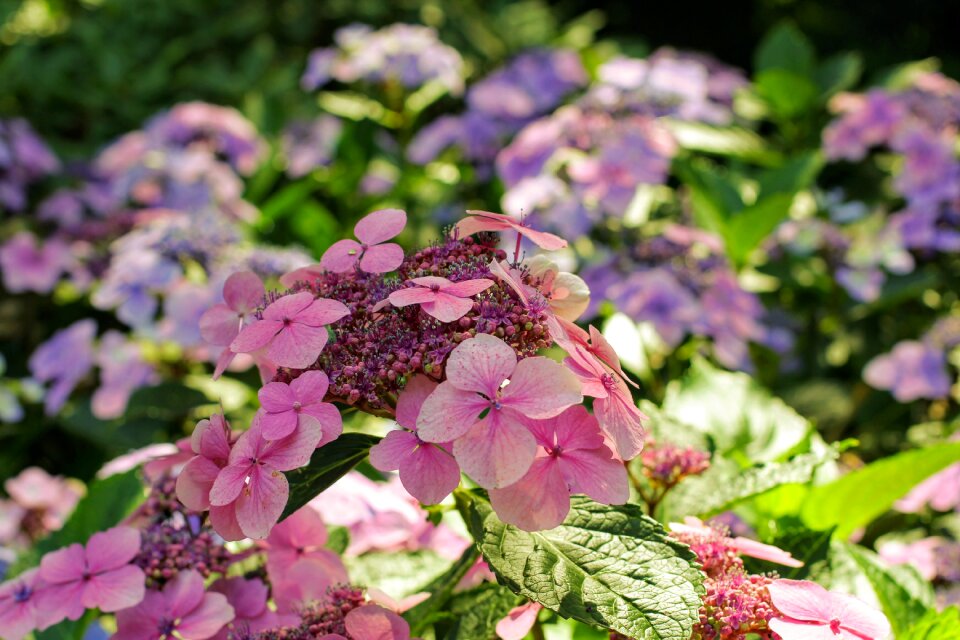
[27,264]
[54,496]
[487,221]
[301,537]
[171,462]
[572,458]
[387,601]
[807,611]
[20,612]
[96,576]
[439,297]
[428,472]
[293,329]
[243,292]
[249,601]
[285,406]
[373,622]
[613,404]
[123,370]
[921,555]
[137,457]
[518,623]
[940,491]
[181,610]
[210,442]
[498,449]
[253,482]
[373,253]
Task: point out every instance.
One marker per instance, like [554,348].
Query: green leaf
[714,492]
[750,226]
[904,595]
[328,464]
[713,196]
[478,611]
[399,574]
[166,400]
[338,539]
[936,625]
[795,174]
[787,93]
[733,142]
[810,547]
[785,47]
[441,590]
[857,498]
[607,566]
[838,73]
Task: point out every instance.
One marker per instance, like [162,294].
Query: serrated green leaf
[478,611]
[904,595]
[857,498]
[607,566]
[328,464]
[785,47]
[936,625]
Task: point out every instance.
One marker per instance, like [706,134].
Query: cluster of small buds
[736,604]
[667,465]
[318,619]
[711,544]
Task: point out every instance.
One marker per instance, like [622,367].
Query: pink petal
[497,451]
[341,256]
[289,306]
[387,454]
[478,221]
[372,622]
[801,600]
[58,601]
[789,630]
[481,364]
[183,594]
[431,281]
[379,226]
[303,274]
[446,308]
[623,422]
[249,445]
[310,387]
[224,522]
[295,450]
[322,311]
[573,429]
[229,483]
[243,292]
[540,500]
[543,239]
[302,529]
[518,622]
[112,548]
[468,288]
[223,361]
[219,325]
[429,474]
[541,388]
[208,618]
[211,438]
[381,258]
[195,482]
[247,597]
[331,422]
[255,336]
[141,621]
[411,295]
[276,397]
[63,565]
[857,616]
[114,590]
[596,473]
[297,346]
[448,413]
[278,425]
[768,552]
[411,400]
[261,503]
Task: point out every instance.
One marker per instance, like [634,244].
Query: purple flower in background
[24,159]
[131,284]
[867,121]
[29,264]
[63,361]
[309,145]
[183,306]
[931,228]
[657,297]
[122,371]
[931,172]
[913,370]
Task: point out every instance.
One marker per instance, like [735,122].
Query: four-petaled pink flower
[249,601]
[182,610]
[253,482]
[243,292]
[444,300]
[807,611]
[572,458]
[293,329]
[285,406]
[211,442]
[300,539]
[374,257]
[373,622]
[483,376]
[487,221]
[427,471]
[519,621]
[98,576]
[20,608]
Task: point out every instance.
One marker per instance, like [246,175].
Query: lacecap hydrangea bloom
[447,340]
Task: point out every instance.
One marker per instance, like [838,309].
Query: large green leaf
[793,175]
[748,227]
[734,142]
[838,73]
[788,94]
[607,566]
[855,499]
[328,464]
[477,612]
[785,47]
[936,625]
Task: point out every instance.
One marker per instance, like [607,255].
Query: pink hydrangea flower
[31,266]
[210,442]
[487,221]
[285,406]
[428,472]
[940,491]
[293,329]
[568,294]
[243,292]
[96,576]
[572,457]
[439,297]
[20,611]
[807,611]
[613,404]
[740,545]
[498,449]
[373,253]
[300,538]
[518,623]
[373,622]
[53,496]
[249,601]
[123,370]
[253,482]
[181,608]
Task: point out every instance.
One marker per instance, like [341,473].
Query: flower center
[287,322]
[22,593]
[608,382]
[297,406]
[435,288]
[166,626]
[555,451]
[835,626]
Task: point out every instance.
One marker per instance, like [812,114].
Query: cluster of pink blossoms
[444,340]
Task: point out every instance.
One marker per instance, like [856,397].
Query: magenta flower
[243,292]
[98,576]
[613,405]
[444,300]
[487,221]
[300,538]
[373,622]
[498,449]
[249,601]
[293,329]
[428,472]
[372,255]
[286,406]
[572,458]
[20,611]
[252,481]
[210,442]
[807,611]
[182,610]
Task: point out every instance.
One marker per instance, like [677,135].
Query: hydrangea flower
[24,159]
[211,442]
[478,221]
[123,370]
[309,145]
[913,370]
[807,611]
[248,598]
[439,297]
[63,360]
[182,608]
[29,264]
[373,253]
[20,612]
[300,538]
[287,406]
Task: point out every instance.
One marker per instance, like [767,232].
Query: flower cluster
[38,504]
[917,368]
[24,159]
